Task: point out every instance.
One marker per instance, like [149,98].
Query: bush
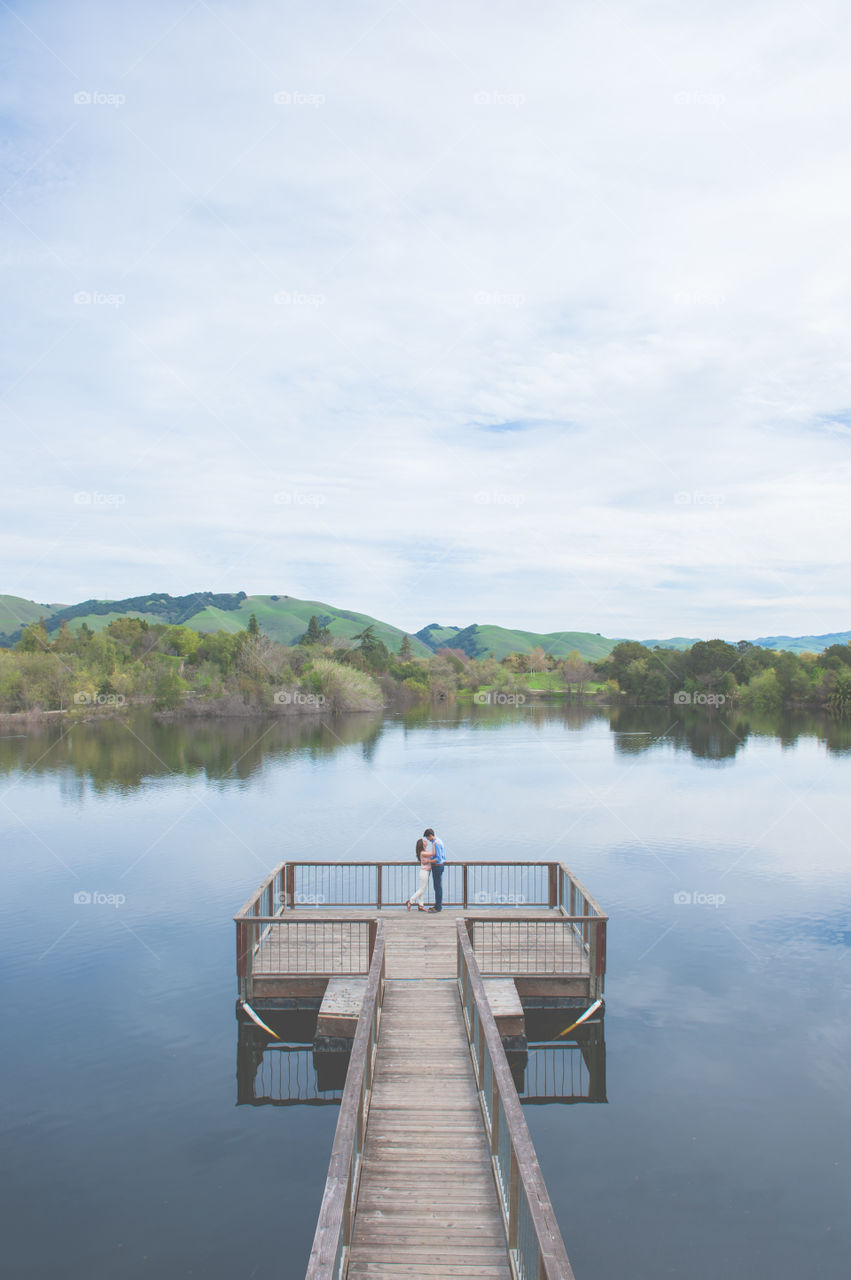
[344,688]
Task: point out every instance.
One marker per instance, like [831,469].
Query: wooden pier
[432,1173]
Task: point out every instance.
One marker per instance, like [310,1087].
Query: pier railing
[389,884]
[331,1242]
[566,946]
[282,945]
[535,1244]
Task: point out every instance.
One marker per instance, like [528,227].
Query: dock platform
[433,1172]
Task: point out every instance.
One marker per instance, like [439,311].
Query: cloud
[591,264]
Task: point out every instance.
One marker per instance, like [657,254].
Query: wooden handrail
[561,884]
[257,894]
[329,1254]
[522,1181]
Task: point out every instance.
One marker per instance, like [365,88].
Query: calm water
[724,1147]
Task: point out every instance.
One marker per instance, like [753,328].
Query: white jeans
[419,896]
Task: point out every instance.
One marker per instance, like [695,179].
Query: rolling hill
[804,644]
[285,618]
[16,612]
[282,617]
[478,641]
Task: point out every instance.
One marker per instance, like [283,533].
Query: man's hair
[429,833]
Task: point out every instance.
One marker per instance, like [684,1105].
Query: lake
[719,846]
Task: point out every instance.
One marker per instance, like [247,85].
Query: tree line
[172,666]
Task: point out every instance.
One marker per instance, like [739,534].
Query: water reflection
[126,753]
[289,1072]
[553,1068]
[721,733]
[560,1068]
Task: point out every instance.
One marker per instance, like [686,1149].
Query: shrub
[345,688]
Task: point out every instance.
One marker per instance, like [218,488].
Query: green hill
[434,636]
[674,642]
[478,641]
[15,612]
[286,619]
[804,644]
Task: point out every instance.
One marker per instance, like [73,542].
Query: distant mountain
[804,644]
[675,642]
[284,618]
[478,641]
[16,612]
[434,636]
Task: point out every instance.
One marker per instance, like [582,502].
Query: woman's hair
[421,844]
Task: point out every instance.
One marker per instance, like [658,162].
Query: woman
[425,860]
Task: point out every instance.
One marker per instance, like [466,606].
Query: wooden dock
[427,1203]
[433,1173]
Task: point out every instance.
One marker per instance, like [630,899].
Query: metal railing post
[513,1200]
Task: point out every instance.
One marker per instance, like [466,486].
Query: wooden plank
[341,1006]
[425,1131]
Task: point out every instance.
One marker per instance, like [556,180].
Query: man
[438,852]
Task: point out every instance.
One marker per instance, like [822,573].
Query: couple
[431,856]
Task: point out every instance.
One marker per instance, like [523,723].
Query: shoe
[432,911]
[419,908]
[407,906]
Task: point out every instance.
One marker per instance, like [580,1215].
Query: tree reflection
[125,753]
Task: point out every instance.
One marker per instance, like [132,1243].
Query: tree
[839,698]
[576,671]
[253,626]
[614,667]
[538,659]
[34,638]
[372,651]
[405,651]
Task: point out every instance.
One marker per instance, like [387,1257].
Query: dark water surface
[718,845]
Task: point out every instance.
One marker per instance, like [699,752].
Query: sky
[535,316]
